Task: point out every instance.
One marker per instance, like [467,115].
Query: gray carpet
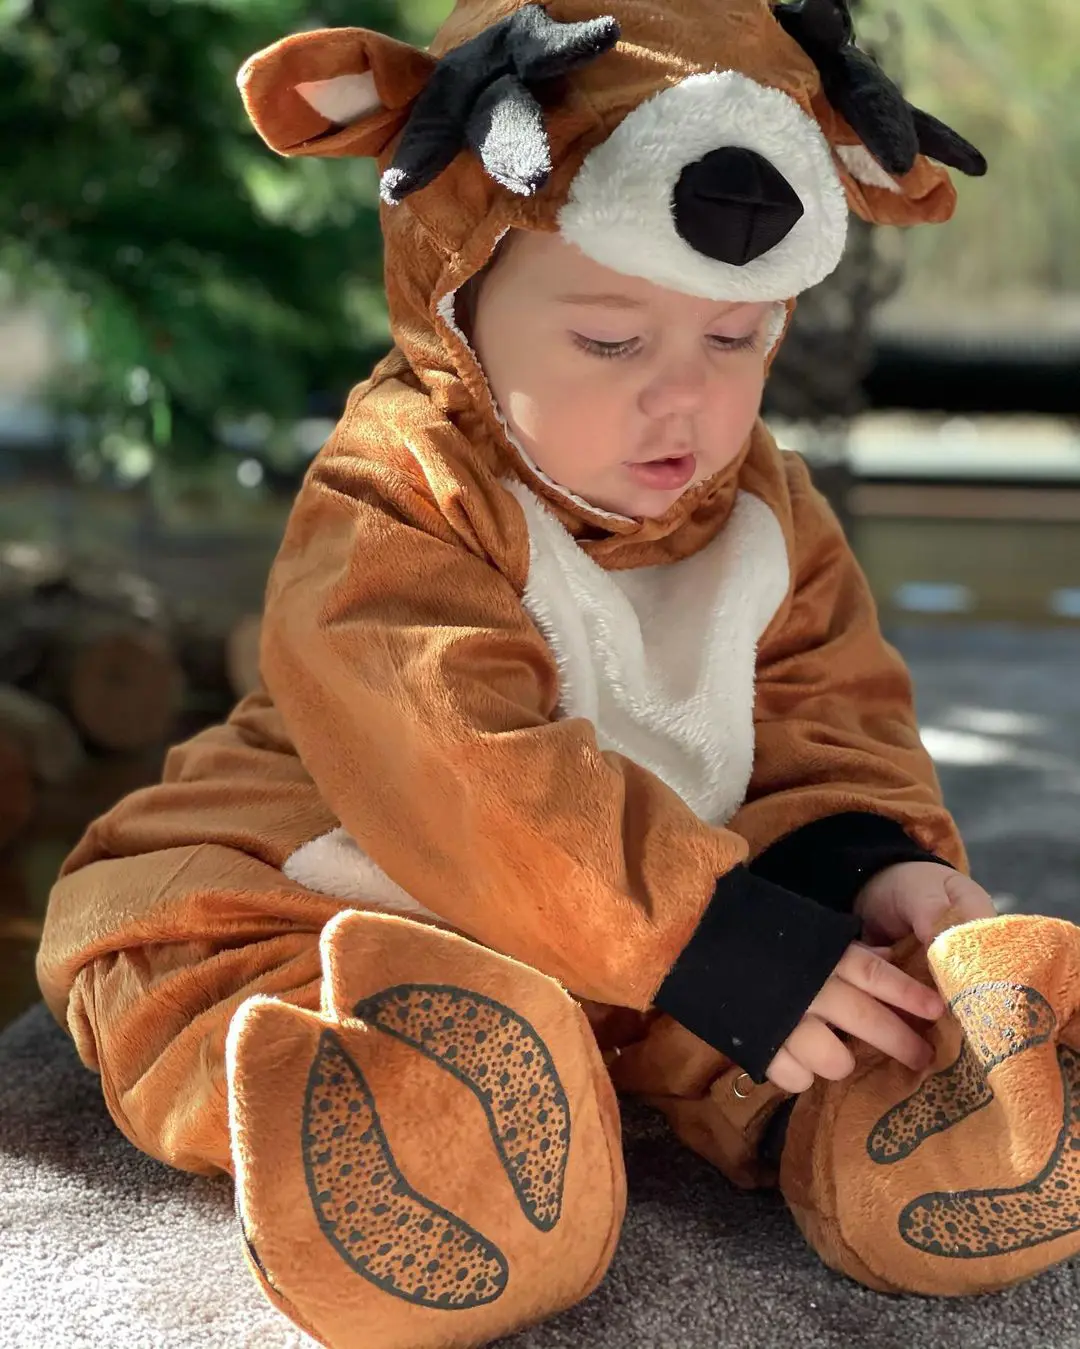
[99,1246]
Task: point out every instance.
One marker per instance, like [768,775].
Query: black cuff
[830,860]
[757,961]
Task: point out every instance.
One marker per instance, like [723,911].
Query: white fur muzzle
[619,210]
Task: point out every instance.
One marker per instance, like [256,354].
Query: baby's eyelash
[747,343]
[606,350]
[613,350]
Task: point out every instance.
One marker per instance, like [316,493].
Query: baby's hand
[856,998]
[914,897]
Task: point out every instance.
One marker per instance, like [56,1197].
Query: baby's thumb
[966,902]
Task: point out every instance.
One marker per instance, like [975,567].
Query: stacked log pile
[98,675]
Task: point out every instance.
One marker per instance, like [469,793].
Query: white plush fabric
[335,864]
[774,326]
[661,659]
[618,211]
[342,99]
[864,168]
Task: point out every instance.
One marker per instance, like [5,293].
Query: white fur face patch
[619,210]
[662,659]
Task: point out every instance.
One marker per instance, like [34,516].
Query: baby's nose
[734,205]
[676,391]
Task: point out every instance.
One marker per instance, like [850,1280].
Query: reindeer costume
[539,803]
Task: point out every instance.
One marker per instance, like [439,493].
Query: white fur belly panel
[335,864]
[661,659]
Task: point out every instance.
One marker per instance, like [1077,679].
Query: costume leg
[964,1178]
[434,1158]
[710,1102]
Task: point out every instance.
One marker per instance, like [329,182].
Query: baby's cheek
[738,406]
[524,412]
[540,430]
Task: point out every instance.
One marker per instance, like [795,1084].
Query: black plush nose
[733,205]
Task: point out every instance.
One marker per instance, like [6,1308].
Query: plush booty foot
[964,1178]
[434,1159]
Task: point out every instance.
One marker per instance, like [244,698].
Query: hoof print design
[501,1058]
[973,1224]
[380,1225]
[998,1021]
[942,1100]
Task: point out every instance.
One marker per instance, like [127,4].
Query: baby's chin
[638,505]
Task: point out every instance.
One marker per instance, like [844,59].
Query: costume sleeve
[842,785]
[423,701]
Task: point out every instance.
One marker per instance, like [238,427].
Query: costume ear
[349,91]
[892,156]
[485,96]
[333,91]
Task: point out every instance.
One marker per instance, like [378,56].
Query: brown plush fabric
[440,1142]
[961,1179]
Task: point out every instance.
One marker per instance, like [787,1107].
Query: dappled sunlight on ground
[1000,712]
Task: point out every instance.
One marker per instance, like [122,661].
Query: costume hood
[714,150]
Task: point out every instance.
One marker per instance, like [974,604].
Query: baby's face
[622,392]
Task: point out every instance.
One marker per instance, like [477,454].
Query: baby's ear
[332,91]
[893,158]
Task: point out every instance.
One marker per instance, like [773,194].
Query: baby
[580,763]
[628,395]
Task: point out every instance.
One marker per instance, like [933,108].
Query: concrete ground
[1000,712]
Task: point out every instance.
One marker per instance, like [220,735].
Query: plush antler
[947,146]
[891,129]
[479,95]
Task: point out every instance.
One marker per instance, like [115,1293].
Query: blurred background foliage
[195,277]
[1005,74]
[201,288]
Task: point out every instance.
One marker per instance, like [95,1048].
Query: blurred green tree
[197,277]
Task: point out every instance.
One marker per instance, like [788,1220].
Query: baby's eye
[722,343]
[607,350]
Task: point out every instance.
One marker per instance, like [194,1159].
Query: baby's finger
[787,1073]
[817,1048]
[969,898]
[850,1009]
[930,923]
[860,967]
[964,900]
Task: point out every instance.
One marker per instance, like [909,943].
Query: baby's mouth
[668,474]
